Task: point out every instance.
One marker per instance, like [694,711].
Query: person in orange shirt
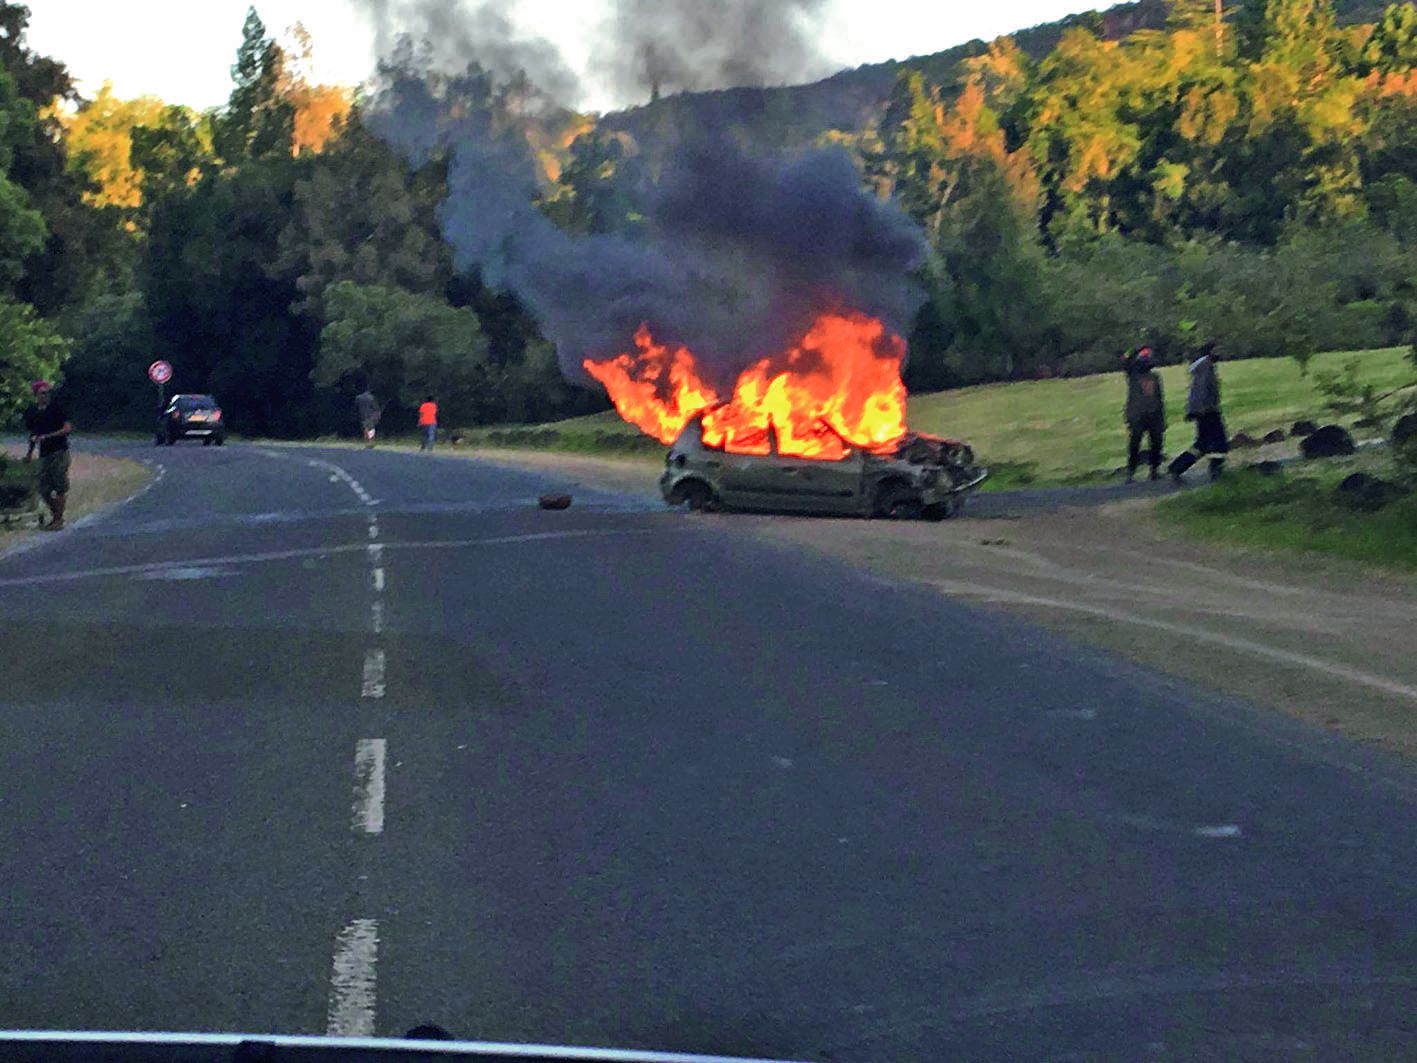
[428,422]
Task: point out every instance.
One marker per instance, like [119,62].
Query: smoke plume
[651,45]
[452,34]
[737,255]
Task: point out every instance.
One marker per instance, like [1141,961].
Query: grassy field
[1045,431]
[1298,510]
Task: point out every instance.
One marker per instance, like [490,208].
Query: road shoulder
[97,483]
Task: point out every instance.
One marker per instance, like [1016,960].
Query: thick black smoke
[643,46]
[648,46]
[453,34]
[737,255]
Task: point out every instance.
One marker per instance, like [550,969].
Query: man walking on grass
[428,423]
[1145,412]
[1203,407]
[47,422]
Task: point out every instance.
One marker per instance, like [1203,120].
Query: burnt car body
[923,477]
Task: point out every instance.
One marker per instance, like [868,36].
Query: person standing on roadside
[428,423]
[1145,411]
[368,407]
[47,422]
[1203,407]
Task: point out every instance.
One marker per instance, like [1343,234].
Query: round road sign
[160,372]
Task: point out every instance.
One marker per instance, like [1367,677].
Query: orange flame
[838,387]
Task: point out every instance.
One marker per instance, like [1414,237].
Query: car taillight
[216,415]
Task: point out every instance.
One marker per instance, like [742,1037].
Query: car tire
[207,441]
[698,496]
[936,513]
[159,440]
[221,441]
[899,502]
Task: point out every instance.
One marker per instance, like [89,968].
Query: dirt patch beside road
[94,481]
[1327,642]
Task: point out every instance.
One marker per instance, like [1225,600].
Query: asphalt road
[304,740]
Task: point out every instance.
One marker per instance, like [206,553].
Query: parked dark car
[191,417]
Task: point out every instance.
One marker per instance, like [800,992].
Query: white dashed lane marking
[369,785]
[352,981]
[379,579]
[373,674]
[376,552]
[376,616]
[1224,830]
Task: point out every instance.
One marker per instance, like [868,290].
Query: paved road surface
[305,740]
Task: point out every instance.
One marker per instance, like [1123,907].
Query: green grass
[1046,431]
[1297,510]
[1070,431]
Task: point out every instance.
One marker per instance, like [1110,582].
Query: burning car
[818,427]
[922,477]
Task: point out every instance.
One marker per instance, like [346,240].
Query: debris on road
[554,501]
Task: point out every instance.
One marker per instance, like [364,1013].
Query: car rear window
[195,402]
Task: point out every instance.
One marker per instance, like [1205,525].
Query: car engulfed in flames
[818,428]
[923,477]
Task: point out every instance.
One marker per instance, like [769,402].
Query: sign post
[160,373]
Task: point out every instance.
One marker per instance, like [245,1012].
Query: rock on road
[306,740]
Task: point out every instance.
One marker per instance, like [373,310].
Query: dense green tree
[360,215]
[1392,48]
[219,311]
[22,228]
[599,187]
[258,120]
[77,242]
[404,346]
[30,349]
[111,346]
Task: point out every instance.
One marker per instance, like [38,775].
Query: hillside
[796,115]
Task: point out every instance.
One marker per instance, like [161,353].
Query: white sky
[181,50]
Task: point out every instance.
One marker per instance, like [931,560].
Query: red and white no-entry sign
[160,372]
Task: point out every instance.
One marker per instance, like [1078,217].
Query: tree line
[1250,178]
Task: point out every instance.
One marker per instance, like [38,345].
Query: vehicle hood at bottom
[60,1046]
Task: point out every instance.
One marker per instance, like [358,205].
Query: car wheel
[221,441]
[938,512]
[899,502]
[697,496]
[159,440]
[207,442]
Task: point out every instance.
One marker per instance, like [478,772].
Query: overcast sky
[181,50]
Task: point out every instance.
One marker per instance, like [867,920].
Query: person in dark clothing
[47,422]
[369,411]
[1145,411]
[1203,407]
